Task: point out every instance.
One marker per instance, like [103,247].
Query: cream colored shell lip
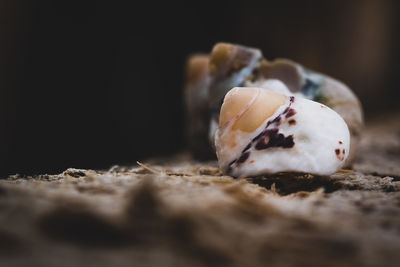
[243,113]
[263,132]
[245,106]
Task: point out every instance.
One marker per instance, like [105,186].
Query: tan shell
[249,107]
[197,113]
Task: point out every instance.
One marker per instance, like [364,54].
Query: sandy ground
[177,212]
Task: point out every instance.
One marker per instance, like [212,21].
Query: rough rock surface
[176,212]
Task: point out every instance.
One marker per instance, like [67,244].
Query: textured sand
[175,212]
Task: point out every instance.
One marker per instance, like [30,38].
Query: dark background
[88,84]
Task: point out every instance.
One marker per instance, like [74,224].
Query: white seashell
[264,132]
[320,88]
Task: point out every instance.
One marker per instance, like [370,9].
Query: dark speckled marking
[277,120]
[290,113]
[272,138]
[247,147]
[338,154]
[292,122]
[340,142]
[257,137]
[229,169]
[285,111]
[268,137]
[243,157]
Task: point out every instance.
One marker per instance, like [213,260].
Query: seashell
[230,66]
[196,106]
[317,87]
[208,78]
[235,65]
[264,132]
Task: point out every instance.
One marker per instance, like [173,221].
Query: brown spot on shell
[292,122]
[338,154]
[291,112]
